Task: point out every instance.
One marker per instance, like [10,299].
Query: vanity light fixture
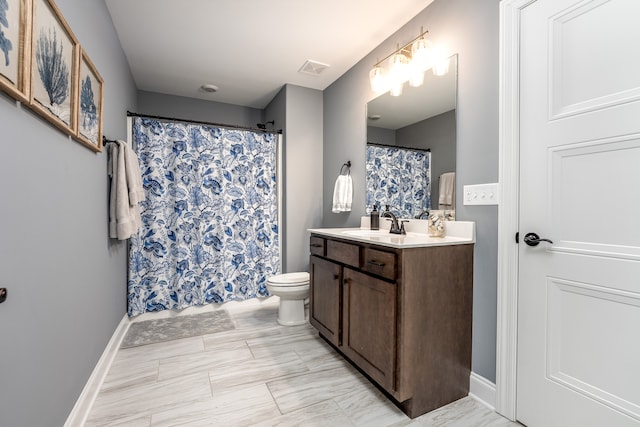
[407,63]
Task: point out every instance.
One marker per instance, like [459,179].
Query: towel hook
[348,166]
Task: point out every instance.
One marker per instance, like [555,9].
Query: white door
[579,298]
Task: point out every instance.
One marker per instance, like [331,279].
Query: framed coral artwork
[89,94]
[15,31]
[54,56]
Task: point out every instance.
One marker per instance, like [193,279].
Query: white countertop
[457,233]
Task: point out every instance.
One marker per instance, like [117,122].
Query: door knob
[532,239]
[3,294]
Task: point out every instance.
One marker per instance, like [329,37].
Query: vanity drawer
[317,245]
[343,252]
[380,263]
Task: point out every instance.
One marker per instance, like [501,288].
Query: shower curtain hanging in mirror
[210,231]
[399,177]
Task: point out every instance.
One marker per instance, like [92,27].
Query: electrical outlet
[481,194]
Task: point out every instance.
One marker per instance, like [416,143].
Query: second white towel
[342,194]
[447,198]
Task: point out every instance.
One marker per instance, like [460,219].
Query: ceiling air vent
[313,68]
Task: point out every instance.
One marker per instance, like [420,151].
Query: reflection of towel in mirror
[126,191]
[342,194]
[447,188]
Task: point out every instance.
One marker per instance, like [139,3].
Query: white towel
[342,194]
[447,188]
[126,191]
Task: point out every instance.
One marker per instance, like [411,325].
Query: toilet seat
[290,279]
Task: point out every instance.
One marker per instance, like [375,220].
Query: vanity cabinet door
[325,298]
[369,332]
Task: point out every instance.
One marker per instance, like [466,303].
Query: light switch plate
[481,194]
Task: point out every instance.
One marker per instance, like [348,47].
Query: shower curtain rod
[175,119]
[398,146]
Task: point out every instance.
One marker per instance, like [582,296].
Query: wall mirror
[411,146]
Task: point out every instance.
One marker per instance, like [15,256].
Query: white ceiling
[250,48]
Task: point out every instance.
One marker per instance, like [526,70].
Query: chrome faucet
[395,228]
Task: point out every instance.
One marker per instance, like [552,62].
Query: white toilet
[293,289]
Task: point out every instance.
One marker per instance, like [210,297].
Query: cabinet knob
[3,294]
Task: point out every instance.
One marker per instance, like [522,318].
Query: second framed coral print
[89,104]
[53,66]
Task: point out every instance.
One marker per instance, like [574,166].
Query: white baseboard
[483,390]
[83,405]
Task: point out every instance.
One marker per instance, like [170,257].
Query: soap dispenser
[375,218]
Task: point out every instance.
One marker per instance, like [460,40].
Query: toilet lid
[289,278]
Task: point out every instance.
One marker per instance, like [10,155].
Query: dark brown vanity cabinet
[402,316]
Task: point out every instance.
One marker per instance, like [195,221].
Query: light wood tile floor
[260,374]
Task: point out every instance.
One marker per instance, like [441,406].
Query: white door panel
[584,361]
[595,180]
[579,298]
[587,71]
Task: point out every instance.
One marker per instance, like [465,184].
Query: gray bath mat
[160,330]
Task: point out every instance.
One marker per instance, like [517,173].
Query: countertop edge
[339,234]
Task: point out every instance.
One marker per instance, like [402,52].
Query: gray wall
[438,134]
[381,136]
[302,171]
[66,279]
[469,28]
[277,111]
[157,104]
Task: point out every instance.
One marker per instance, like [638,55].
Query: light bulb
[396,89]
[399,69]
[440,62]
[377,80]
[421,53]
[441,67]
[416,75]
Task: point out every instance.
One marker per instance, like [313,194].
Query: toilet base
[291,312]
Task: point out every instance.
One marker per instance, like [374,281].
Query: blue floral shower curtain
[398,177]
[209,220]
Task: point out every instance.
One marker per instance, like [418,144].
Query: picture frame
[89,102]
[54,56]
[15,35]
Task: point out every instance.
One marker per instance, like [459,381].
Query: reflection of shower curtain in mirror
[210,231]
[398,177]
